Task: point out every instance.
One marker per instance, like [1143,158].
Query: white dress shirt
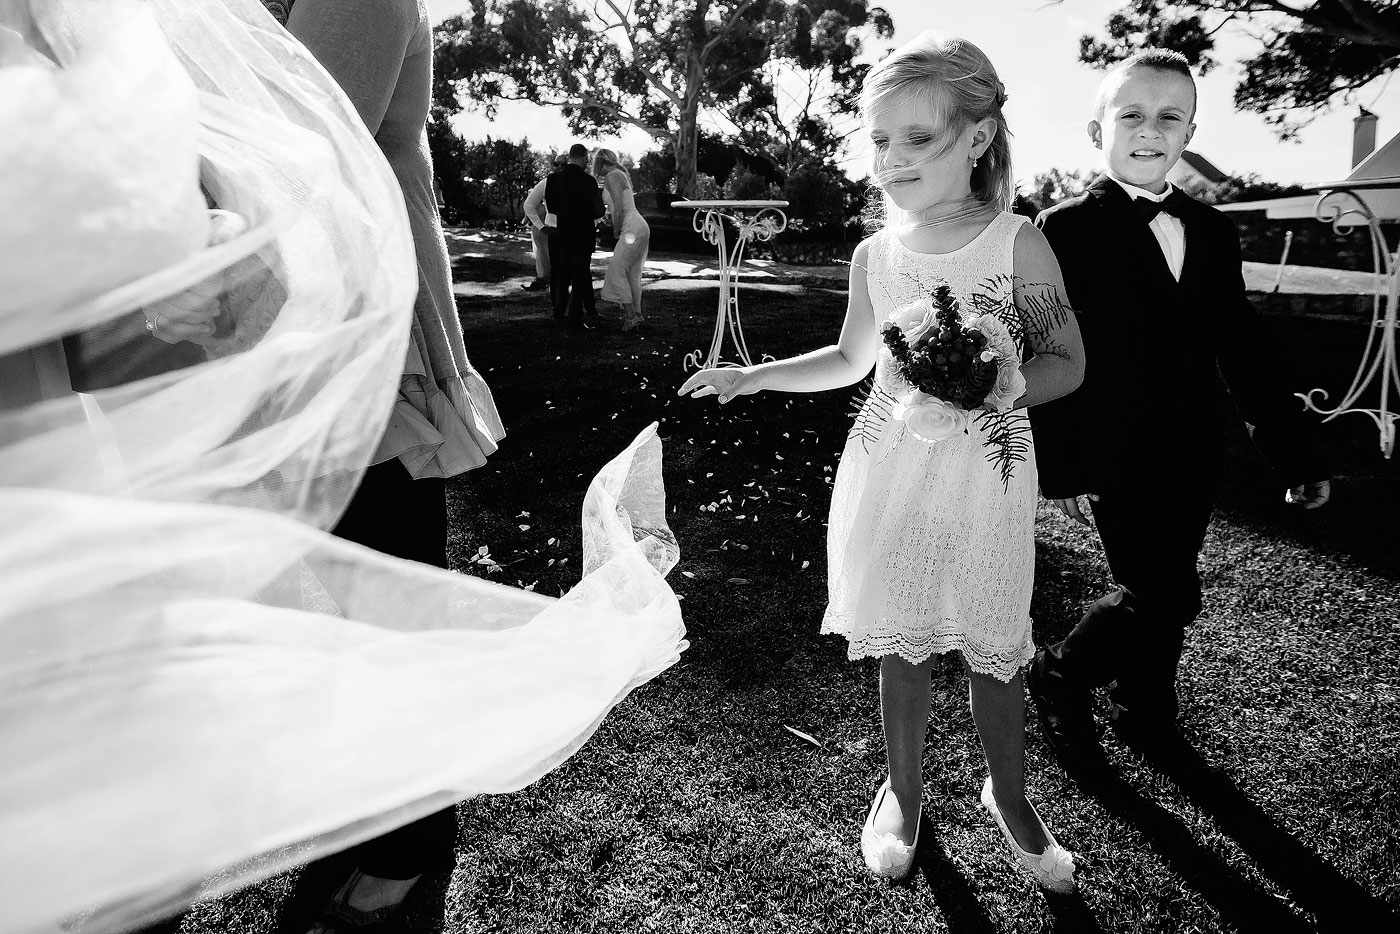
[1168,229]
[534,205]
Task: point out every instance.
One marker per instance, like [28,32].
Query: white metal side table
[753,220]
[1343,206]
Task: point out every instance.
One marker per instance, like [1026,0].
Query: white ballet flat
[886,855]
[1052,869]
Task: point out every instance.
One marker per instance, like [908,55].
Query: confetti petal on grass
[798,733]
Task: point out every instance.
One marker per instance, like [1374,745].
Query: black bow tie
[1172,204]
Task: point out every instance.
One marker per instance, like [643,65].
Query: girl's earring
[974,162]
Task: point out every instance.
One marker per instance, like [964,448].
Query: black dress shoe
[1066,718]
[535,285]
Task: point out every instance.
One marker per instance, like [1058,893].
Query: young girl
[930,544]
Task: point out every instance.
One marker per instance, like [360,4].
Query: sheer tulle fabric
[198,686]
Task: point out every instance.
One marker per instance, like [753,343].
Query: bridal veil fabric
[198,686]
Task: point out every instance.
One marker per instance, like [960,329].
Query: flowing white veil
[196,682]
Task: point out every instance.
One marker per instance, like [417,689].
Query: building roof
[1383,163]
[1203,167]
[1383,201]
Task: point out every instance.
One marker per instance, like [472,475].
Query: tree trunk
[687,149]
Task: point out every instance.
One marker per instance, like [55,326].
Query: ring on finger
[153,325]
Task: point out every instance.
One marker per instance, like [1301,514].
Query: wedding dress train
[198,686]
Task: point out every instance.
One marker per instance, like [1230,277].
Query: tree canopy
[659,64]
[1311,55]
[812,80]
[506,170]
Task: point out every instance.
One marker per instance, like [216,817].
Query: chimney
[1363,136]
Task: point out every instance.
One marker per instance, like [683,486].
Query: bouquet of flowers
[950,366]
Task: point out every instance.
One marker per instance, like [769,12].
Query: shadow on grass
[1315,885]
[953,893]
[1072,915]
[957,899]
[1241,903]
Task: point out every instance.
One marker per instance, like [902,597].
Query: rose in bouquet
[952,366]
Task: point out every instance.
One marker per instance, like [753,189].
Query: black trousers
[397,515]
[570,281]
[1152,539]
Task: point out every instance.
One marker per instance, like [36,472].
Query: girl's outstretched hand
[725,382]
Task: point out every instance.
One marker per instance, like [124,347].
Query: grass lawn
[698,808]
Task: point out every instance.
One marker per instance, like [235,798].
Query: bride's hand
[725,382]
[189,316]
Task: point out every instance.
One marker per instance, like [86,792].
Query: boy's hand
[1309,495]
[1070,507]
[725,382]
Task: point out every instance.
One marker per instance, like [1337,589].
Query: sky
[1034,46]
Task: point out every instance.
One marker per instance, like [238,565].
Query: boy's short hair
[578,151]
[1157,59]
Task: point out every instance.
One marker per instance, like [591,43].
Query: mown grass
[695,808]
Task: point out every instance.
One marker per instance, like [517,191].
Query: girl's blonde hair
[957,79]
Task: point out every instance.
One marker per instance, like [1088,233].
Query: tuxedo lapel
[1139,244]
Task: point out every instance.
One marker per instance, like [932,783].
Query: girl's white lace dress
[930,546]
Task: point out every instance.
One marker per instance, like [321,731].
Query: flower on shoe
[1011,383]
[930,418]
[1057,863]
[886,852]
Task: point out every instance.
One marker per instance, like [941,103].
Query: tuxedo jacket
[573,196]
[1147,414]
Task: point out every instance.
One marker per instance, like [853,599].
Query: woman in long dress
[622,284]
[444,421]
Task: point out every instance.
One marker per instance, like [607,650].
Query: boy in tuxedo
[1155,279]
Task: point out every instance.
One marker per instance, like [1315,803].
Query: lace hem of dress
[887,639]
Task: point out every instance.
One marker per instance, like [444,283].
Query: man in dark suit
[1155,279]
[575,203]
